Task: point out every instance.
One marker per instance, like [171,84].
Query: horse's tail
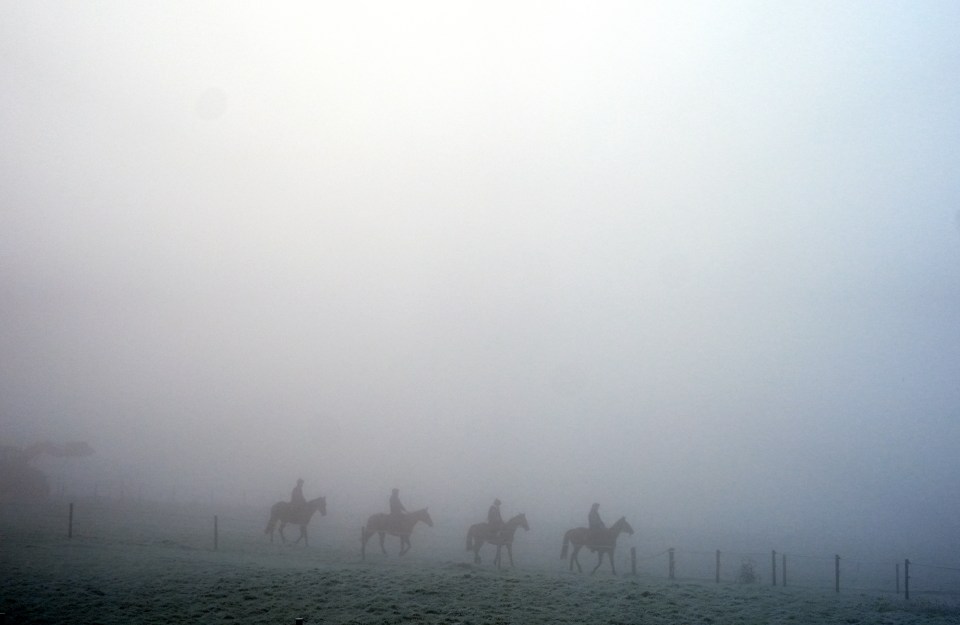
[566,546]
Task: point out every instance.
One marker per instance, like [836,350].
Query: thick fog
[697,262]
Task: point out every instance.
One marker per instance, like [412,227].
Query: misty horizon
[699,263]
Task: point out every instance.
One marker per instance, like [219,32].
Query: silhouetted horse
[401,526]
[603,541]
[286,512]
[480,533]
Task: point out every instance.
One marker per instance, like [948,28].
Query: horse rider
[396,508]
[594,522]
[297,500]
[494,518]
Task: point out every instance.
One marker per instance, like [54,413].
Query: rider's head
[595,506]
[396,491]
[496,502]
[300,482]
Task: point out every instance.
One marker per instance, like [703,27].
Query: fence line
[935,566]
[240,533]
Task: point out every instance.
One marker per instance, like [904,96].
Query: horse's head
[424,516]
[622,526]
[520,520]
[319,504]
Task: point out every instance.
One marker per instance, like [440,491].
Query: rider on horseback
[396,508]
[595,523]
[494,519]
[297,499]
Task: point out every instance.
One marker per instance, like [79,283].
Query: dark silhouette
[480,533]
[594,522]
[20,482]
[297,500]
[395,506]
[603,541]
[286,512]
[494,519]
[397,509]
[384,524]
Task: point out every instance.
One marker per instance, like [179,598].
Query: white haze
[699,262]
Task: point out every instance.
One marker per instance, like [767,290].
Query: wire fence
[239,532]
[902,578]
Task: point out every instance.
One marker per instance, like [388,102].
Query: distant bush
[747,573]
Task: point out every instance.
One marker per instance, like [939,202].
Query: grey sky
[695,260]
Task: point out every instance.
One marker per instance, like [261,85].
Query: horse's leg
[574,559]
[599,561]
[303,535]
[476,550]
[364,536]
[382,548]
[283,538]
[404,544]
[510,553]
[613,565]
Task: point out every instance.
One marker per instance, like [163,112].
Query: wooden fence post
[718,566]
[671,569]
[773,566]
[897,572]
[906,578]
[70,522]
[216,532]
[633,560]
[837,571]
[783,572]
